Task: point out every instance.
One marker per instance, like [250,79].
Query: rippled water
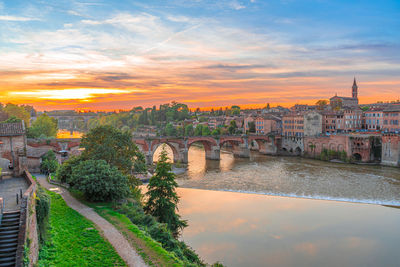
[293,176]
[265,228]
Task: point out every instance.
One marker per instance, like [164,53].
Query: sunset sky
[118,54]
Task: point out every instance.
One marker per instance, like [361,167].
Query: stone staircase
[9,230]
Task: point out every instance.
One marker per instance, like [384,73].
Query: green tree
[216,132]
[112,145]
[43,125]
[49,163]
[12,119]
[170,130]
[205,131]
[18,112]
[235,110]
[189,131]
[199,129]
[252,126]
[98,181]
[232,127]
[321,104]
[64,173]
[162,197]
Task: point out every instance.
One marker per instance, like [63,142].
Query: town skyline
[99,55]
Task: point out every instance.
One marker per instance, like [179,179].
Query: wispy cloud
[157,53]
[15,18]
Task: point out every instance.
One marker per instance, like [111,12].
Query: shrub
[42,213]
[64,173]
[98,181]
[159,232]
[49,162]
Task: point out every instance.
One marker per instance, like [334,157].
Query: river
[289,211]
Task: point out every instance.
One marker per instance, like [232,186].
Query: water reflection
[293,176]
[257,230]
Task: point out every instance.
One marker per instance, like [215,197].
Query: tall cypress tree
[162,197]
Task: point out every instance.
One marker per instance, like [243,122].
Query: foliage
[162,197]
[198,130]
[18,112]
[321,104]
[189,130]
[205,131]
[43,125]
[64,173]
[12,119]
[328,154]
[74,240]
[42,213]
[252,126]
[98,181]
[170,130]
[151,251]
[49,163]
[235,110]
[112,145]
[232,127]
[159,232]
[216,132]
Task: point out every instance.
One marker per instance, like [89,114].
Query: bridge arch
[265,144]
[211,146]
[357,156]
[172,146]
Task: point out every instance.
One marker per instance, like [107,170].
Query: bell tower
[355,89]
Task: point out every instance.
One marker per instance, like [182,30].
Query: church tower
[355,89]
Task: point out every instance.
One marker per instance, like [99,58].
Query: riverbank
[73,240]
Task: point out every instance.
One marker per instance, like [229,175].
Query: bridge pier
[182,156]
[149,158]
[213,153]
[241,151]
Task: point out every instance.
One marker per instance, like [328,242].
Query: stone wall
[13,149]
[391,150]
[292,145]
[313,146]
[312,124]
[28,235]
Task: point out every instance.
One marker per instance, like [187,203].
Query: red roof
[12,129]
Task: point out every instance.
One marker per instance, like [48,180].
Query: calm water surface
[255,224]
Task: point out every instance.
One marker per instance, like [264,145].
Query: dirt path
[117,240]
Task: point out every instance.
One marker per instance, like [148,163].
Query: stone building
[391,150]
[391,119]
[313,124]
[266,124]
[12,148]
[373,119]
[293,125]
[338,102]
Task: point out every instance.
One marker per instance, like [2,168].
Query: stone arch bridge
[212,145]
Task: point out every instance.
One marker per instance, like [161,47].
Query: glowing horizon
[111,55]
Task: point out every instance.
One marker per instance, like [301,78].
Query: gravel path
[117,240]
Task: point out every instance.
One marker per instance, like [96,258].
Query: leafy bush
[64,173]
[159,232]
[98,181]
[49,162]
[112,145]
[42,213]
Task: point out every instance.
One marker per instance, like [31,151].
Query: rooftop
[12,129]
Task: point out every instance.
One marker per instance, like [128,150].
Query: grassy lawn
[151,251]
[74,241]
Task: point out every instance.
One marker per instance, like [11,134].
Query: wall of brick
[391,150]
